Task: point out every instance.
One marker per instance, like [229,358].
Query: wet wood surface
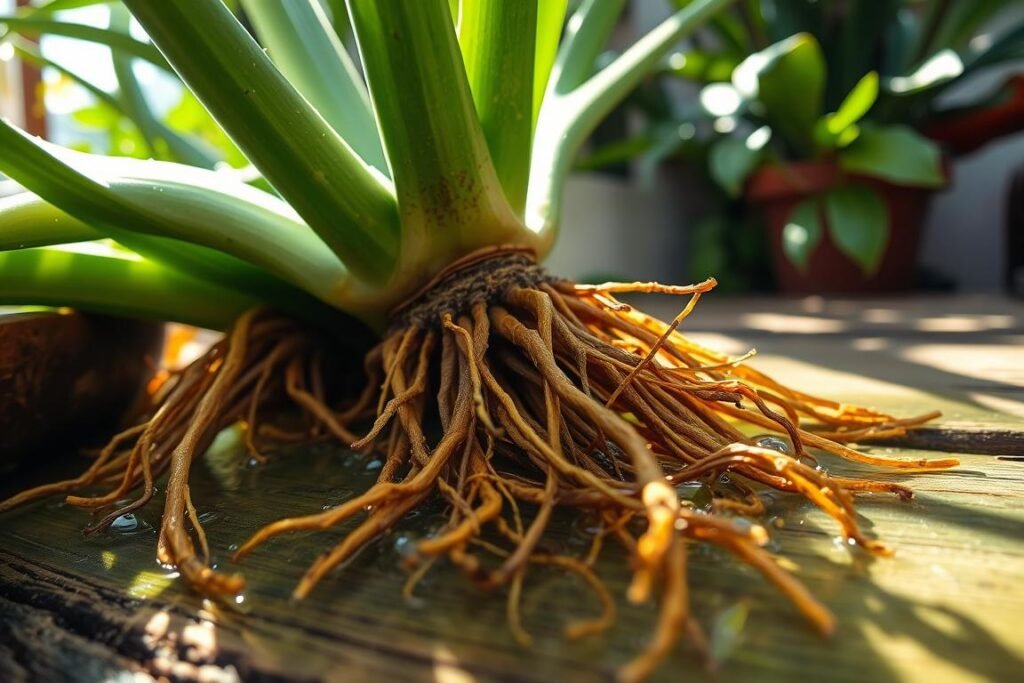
[948,606]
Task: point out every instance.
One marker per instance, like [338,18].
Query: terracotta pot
[777,190]
[65,377]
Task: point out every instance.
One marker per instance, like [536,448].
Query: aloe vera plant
[419,201]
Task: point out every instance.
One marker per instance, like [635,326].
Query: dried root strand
[531,392]
[238,379]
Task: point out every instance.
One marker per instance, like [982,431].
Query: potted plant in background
[838,151]
[843,199]
[831,124]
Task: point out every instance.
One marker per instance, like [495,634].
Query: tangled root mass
[500,386]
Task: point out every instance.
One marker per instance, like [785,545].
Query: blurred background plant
[825,121]
[94,95]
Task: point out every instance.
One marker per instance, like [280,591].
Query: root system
[501,390]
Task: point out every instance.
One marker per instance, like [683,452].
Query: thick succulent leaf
[35,26]
[53,6]
[30,53]
[497,38]
[27,221]
[570,113]
[123,196]
[302,43]
[349,205]
[550,20]
[162,141]
[93,276]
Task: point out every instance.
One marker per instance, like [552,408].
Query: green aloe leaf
[219,228]
[304,46]
[97,277]
[858,224]
[33,26]
[585,38]
[162,141]
[449,194]
[550,18]
[27,221]
[803,232]
[60,6]
[30,52]
[350,206]
[493,36]
[573,108]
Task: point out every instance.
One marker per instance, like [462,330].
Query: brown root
[532,388]
[237,380]
[546,394]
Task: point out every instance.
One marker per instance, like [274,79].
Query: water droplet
[233,547]
[126,522]
[405,544]
[587,525]
[843,544]
[695,495]
[774,443]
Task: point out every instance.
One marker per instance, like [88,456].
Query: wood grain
[948,606]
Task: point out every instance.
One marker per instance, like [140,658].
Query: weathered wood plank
[948,606]
[962,440]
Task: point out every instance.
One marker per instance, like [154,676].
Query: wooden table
[948,606]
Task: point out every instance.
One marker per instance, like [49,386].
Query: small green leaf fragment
[856,104]
[898,154]
[727,632]
[858,224]
[732,159]
[802,234]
